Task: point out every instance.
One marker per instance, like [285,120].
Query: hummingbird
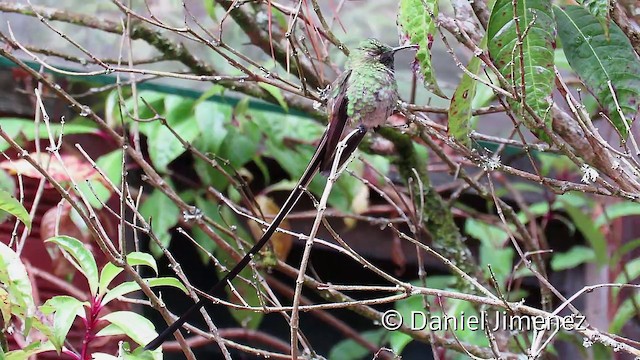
[362,97]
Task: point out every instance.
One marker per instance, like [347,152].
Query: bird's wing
[337,119]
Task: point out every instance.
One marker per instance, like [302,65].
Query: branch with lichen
[268,42]
[170,49]
[436,216]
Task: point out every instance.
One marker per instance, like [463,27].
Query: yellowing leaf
[281,242]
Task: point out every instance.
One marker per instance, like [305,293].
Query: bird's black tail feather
[293,198]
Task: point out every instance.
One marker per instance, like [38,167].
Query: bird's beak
[411,46]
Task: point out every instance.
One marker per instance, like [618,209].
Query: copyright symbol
[391,320]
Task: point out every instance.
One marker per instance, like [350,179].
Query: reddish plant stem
[90,323]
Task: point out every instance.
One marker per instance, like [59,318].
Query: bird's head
[372,50]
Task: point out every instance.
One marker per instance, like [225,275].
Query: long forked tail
[293,198]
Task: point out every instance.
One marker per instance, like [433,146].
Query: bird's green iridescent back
[371,90]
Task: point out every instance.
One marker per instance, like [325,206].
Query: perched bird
[363,96]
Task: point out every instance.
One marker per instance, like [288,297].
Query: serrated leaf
[599,58]
[575,256]
[65,309]
[11,205]
[131,286]
[82,259]
[134,325]
[416,20]
[460,110]
[536,62]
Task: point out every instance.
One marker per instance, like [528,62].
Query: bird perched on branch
[362,97]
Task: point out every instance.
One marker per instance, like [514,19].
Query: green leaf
[134,325]
[65,310]
[536,209]
[163,213]
[488,234]
[246,318]
[398,341]
[13,275]
[164,146]
[131,286]
[215,90]
[110,271]
[21,128]
[111,165]
[5,308]
[139,258]
[277,94]
[350,350]
[632,269]
[212,119]
[416,20]
[9,204]
[210,7]
[30,350]
[82,259]
[623,250]
[205,241]
[500,259]
[460,110]
[597,8]
[625,313]
[95,192]
[599,58]
[110,330]
[238,148]
[614,211]
[561,60]
[107,274]
[153,98]
[575,256]
[533,60]
[140,353]
[589,230]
